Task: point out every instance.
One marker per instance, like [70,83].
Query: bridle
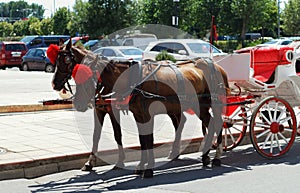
[69,60]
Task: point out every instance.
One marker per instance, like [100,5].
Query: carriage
[266,98]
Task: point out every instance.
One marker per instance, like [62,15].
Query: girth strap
[180,81]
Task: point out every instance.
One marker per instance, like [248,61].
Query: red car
[11,54]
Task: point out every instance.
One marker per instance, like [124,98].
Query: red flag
[213,32]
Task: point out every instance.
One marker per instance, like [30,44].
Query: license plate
[15,54]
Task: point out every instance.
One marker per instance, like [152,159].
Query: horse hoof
[138,172]
[205,160]
[148,173]
[87,168]
[216,162]
[118,166]
[173,156]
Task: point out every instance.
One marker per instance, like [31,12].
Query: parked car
[120,53]
[139,40]
[181,49]
[89,44]
[276,42]
[36,59]
[82,39]
[43,41]
[11,54]
[105,43]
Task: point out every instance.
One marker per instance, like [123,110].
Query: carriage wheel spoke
[262,125]
[266,119]
[263,133]
[277,140]
[271,145]
[266,140]
[283,137]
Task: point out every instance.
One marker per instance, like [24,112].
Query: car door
[39,58]
[30,58]
[109,53]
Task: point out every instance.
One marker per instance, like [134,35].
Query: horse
[202,80]
[102,108]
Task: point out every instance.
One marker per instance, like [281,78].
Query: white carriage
[268,96]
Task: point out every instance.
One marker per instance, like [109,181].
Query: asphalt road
[243,170]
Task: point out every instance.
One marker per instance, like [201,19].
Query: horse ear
[69,45]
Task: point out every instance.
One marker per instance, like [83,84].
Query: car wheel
[49,68]
[25,67]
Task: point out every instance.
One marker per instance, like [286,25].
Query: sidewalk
[42,141]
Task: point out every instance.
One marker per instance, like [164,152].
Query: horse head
[68,59]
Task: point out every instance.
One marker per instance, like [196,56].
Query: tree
[47,26]
[6,29]
[291,18]
[107,16]
[61,19]
[78,18]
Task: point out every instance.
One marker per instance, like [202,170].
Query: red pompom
[81,73]
[52,52]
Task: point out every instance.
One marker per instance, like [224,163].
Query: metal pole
[175,16]
[278,19]
[53,7]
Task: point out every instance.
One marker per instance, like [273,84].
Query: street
[243,170]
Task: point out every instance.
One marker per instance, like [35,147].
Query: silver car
[120,53]
[182,49]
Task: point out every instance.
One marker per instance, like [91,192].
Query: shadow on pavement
[182,170]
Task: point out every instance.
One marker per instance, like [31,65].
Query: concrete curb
[33,107]
[40,167]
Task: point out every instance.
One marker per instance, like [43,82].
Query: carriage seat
[265,59]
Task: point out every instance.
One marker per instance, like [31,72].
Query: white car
[182,49]
[120,52]
[276,42]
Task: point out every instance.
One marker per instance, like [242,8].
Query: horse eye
[67,60]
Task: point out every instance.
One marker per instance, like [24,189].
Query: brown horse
[102,108]
[172,89]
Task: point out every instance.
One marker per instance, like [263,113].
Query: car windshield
[202,48]
[271,42]
[131,51]
[27,39]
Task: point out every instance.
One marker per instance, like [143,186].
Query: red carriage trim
[264,60]
[81,73]
[52,52]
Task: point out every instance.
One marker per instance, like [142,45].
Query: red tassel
[52,52]
[81,73]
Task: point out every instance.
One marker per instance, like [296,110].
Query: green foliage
[164,55]
[47,26]
[291,18]
[107,16]
[6,29]
[61,19]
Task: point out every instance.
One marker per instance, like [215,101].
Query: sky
[48,4]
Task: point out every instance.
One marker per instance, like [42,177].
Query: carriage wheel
[273,127]
[234,129]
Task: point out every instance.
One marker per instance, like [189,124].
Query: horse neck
[114,76]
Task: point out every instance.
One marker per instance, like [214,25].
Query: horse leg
[175,152]
[115,121]
[219,150]
[98,122]
[147,155]
[205,118]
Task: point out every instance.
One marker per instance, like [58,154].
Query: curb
[46,166]
[33,107]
